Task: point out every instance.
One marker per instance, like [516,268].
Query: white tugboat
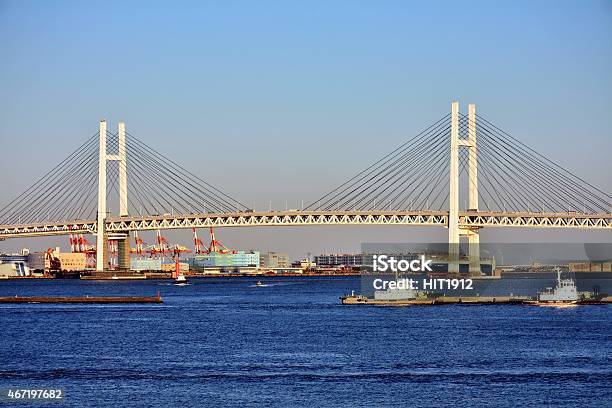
[564,294]
[180,279]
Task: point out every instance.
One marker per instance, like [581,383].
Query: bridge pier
[123,252]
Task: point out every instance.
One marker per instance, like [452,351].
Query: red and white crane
[113,254]
[162,243]
[197,243]
[74,242]
[162,248]
[177,274]
[216,246]
[79,244]
[139,244]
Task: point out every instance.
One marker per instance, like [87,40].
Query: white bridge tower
[101,235]
[455,231]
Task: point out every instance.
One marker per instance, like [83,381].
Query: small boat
[180,279]
[259,284]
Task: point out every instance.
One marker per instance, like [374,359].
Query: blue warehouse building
[229,260]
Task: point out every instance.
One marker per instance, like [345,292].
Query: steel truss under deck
[467,220]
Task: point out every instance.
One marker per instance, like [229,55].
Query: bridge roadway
[467,220]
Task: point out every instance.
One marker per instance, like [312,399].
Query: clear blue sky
[285,100]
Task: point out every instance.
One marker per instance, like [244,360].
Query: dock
[82,299]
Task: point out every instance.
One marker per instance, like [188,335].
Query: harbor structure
[336,260]
[146,264]
[226,260]
[590,266]
[171,266]
[441,262]
[305,264]
[56,260]
[15,265]
[274,260]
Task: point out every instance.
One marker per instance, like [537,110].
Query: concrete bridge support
[101,241]
[454,229]
[123,252]
[123,244]
[472,234]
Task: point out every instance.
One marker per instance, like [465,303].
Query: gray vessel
[565,292]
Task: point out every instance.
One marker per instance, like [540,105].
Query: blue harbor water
[290,343]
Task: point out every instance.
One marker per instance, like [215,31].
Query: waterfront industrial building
[146,264]
[12,265]
[57,260]
[236,259]
[274,260]
[440,262]
[335,260]
[590,267]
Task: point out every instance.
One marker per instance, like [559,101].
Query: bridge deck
[467,219]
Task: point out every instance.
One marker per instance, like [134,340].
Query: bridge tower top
[104,158]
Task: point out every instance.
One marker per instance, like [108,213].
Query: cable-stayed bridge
[462,172]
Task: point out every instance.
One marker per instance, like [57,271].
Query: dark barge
[82,299]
